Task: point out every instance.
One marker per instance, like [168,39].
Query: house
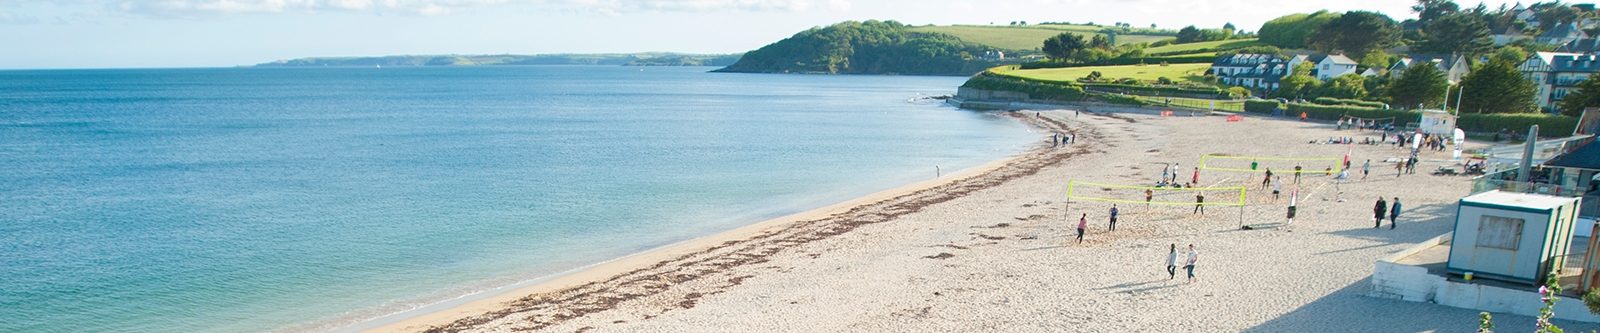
[993,55]
[1371,72]
[1513,237]
[1561,34]
[1331,66]
[1254,71]
[1582,45]
[1454,67]
[1510,35]
[1526,15]
[1556,74]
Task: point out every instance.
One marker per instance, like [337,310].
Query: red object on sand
[1167,113]
[1235,118]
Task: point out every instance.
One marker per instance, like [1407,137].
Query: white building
[1513,237]
[1454,67]
[1332,66]
[1556,74]
[1254,71]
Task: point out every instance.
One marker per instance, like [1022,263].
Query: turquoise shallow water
[234,200]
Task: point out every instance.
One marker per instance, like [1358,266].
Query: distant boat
[377,66]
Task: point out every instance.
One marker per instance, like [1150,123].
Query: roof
[1587,63]
[1246,59]
[1564,30]
[1582,45]
[1511,31]
[1520,200]
[1339,59]
[1585,157]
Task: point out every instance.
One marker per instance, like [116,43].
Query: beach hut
[1437,122]
[1513,237]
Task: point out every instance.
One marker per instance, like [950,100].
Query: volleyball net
[1155,195]
[1278,164]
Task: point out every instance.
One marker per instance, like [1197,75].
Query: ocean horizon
[260,199]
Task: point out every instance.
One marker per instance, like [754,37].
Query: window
[1500,232]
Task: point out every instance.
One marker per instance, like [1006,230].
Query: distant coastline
[613,59]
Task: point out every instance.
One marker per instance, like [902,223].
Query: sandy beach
[989,249]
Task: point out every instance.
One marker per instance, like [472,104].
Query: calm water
[227,200]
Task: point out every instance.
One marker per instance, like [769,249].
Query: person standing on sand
[1194,256]
[1399,167]
[1366,167]
[1252,165]
[1113,218]
[1296,174]
[1394,213]
[1276,186]
[1199,203]
[1148,194]
[1268,179]
[1377,212]
[1083,223]
[1055,140]
[1172,262]
[1196,176]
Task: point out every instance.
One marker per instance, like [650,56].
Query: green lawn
[1025,37]
[1176,72]
[1232,44]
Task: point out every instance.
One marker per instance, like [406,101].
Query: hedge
[1261,106]
[1034,89]
[1549,125]
[1122,62]
[1342,101]
[1333,112]
[1199,92]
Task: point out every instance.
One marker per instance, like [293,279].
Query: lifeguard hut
[1512,237]
[1437,122]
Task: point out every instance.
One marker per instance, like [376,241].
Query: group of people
[1363,124]
[1381,208]
[1060,139]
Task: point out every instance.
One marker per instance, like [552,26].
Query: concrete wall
[1413,283]
[990,95]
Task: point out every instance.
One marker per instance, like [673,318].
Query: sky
[222,33]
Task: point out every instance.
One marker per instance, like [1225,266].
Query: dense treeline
[877,47]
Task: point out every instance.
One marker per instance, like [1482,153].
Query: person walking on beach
[1377,212]
[1199,203]
[1366,167]
[1148,194]
[1399,167]
[1165,175]
[1297,174]
[1083,223]
[1055,140]
[1394,213]
[1268,179]
[1252,165]
[1194,256]
[1172,262]
[1196,178]
[1113,218]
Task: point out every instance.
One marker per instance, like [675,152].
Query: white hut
[1514,237]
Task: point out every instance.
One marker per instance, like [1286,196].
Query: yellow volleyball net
[1155,195]
[1278,165]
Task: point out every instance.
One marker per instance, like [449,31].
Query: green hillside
[1028,37]
[870,47]
[1203,46]
[1176,72]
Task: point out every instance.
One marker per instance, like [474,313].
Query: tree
[1100,42]
[1228,26]
[1063,46]
[1456,33]
[1376,59]
[1299,82]
[1586,95]
[1418,86]
[1357,33]
[1188,34]
[1511,54]
[1428,10]
[1345,86]
[1291,31]
[1496,87]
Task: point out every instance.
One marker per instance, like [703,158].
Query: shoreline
[441,316]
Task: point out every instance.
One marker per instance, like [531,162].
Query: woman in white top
[1193,257]
[1172,262]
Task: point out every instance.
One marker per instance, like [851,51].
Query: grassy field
[1233,43]
[1025,37]
[1176,72]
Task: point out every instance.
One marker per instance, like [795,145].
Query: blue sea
[252,199]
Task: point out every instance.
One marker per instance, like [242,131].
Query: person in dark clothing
[1378,212]
[1296,174]
[1267,180]
[1199,203]
[1394,213]
[1113,218]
